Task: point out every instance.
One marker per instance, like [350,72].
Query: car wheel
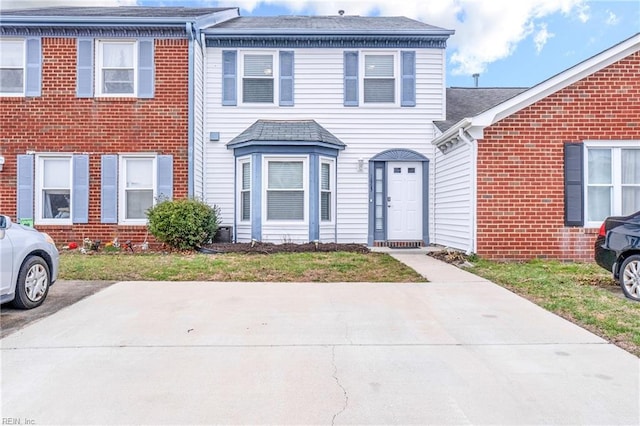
[630,277]
[33,283]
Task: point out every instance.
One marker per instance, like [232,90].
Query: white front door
[404,200]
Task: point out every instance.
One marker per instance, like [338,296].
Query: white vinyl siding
[452,198]
[367,131]
[12,67]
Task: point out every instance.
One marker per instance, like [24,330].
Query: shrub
[183,224]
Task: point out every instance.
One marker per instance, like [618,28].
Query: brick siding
[58,121]
[520,200]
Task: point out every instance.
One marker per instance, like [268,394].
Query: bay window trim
[332,191]
[240,179]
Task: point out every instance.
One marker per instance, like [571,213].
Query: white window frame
[239,179]
[305,187]
[616,148]
[99,66]
[39,188]
[332,190]
[275,75]
[23,68]
[122,182]
[396,77]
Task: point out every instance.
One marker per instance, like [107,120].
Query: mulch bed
[269,248]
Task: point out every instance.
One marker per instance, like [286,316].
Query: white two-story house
[320,128]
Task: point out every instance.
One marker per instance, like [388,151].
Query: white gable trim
[476,125]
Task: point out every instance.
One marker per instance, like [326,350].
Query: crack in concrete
[344,391]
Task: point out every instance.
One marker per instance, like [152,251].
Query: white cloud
[541,37]
[612,19]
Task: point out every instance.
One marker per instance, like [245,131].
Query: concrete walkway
[456,350]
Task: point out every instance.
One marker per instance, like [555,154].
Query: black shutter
[573,184]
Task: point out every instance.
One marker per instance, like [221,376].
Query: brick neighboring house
[100,115]
[535,175]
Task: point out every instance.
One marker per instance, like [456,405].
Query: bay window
[245,191]
[285,192]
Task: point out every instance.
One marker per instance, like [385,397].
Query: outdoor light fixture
[1,162]
[360,164]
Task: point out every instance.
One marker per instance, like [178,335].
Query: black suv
[617,250]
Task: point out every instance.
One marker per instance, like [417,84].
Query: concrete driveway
[465,352]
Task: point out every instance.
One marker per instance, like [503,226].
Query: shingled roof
[286,132]
[116,12]
[333,24]
[465,102]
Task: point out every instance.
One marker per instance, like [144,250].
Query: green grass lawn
[583,293]
[282,267]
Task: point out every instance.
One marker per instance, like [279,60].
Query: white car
[29,264]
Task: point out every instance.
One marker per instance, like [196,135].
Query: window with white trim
[245,190]
[612,175]
[12,67]
[258,82]
[138,188]
[379,78]
[116,70]
[286,189]
[53,189]
[326,191]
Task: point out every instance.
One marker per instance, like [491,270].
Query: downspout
[472,188]
[190,112]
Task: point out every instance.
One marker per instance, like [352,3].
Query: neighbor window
[245,191]
[258,83]
[54,179]
[137,192]
[612,182]
[379,78]
[12,65]
[285,190]
[116,70]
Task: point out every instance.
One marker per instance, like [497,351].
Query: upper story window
[258,83]
[12,67]
[116,68]
[379,82]
[257,77]
[384,78]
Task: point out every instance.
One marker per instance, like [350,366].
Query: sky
[510,43]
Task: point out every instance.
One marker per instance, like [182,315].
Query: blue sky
[510,43]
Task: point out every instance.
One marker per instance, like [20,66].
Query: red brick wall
[59,122]
[520,164]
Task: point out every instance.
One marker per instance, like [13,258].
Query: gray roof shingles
[116,12]
[465,102]
[327,23]
[273,131]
